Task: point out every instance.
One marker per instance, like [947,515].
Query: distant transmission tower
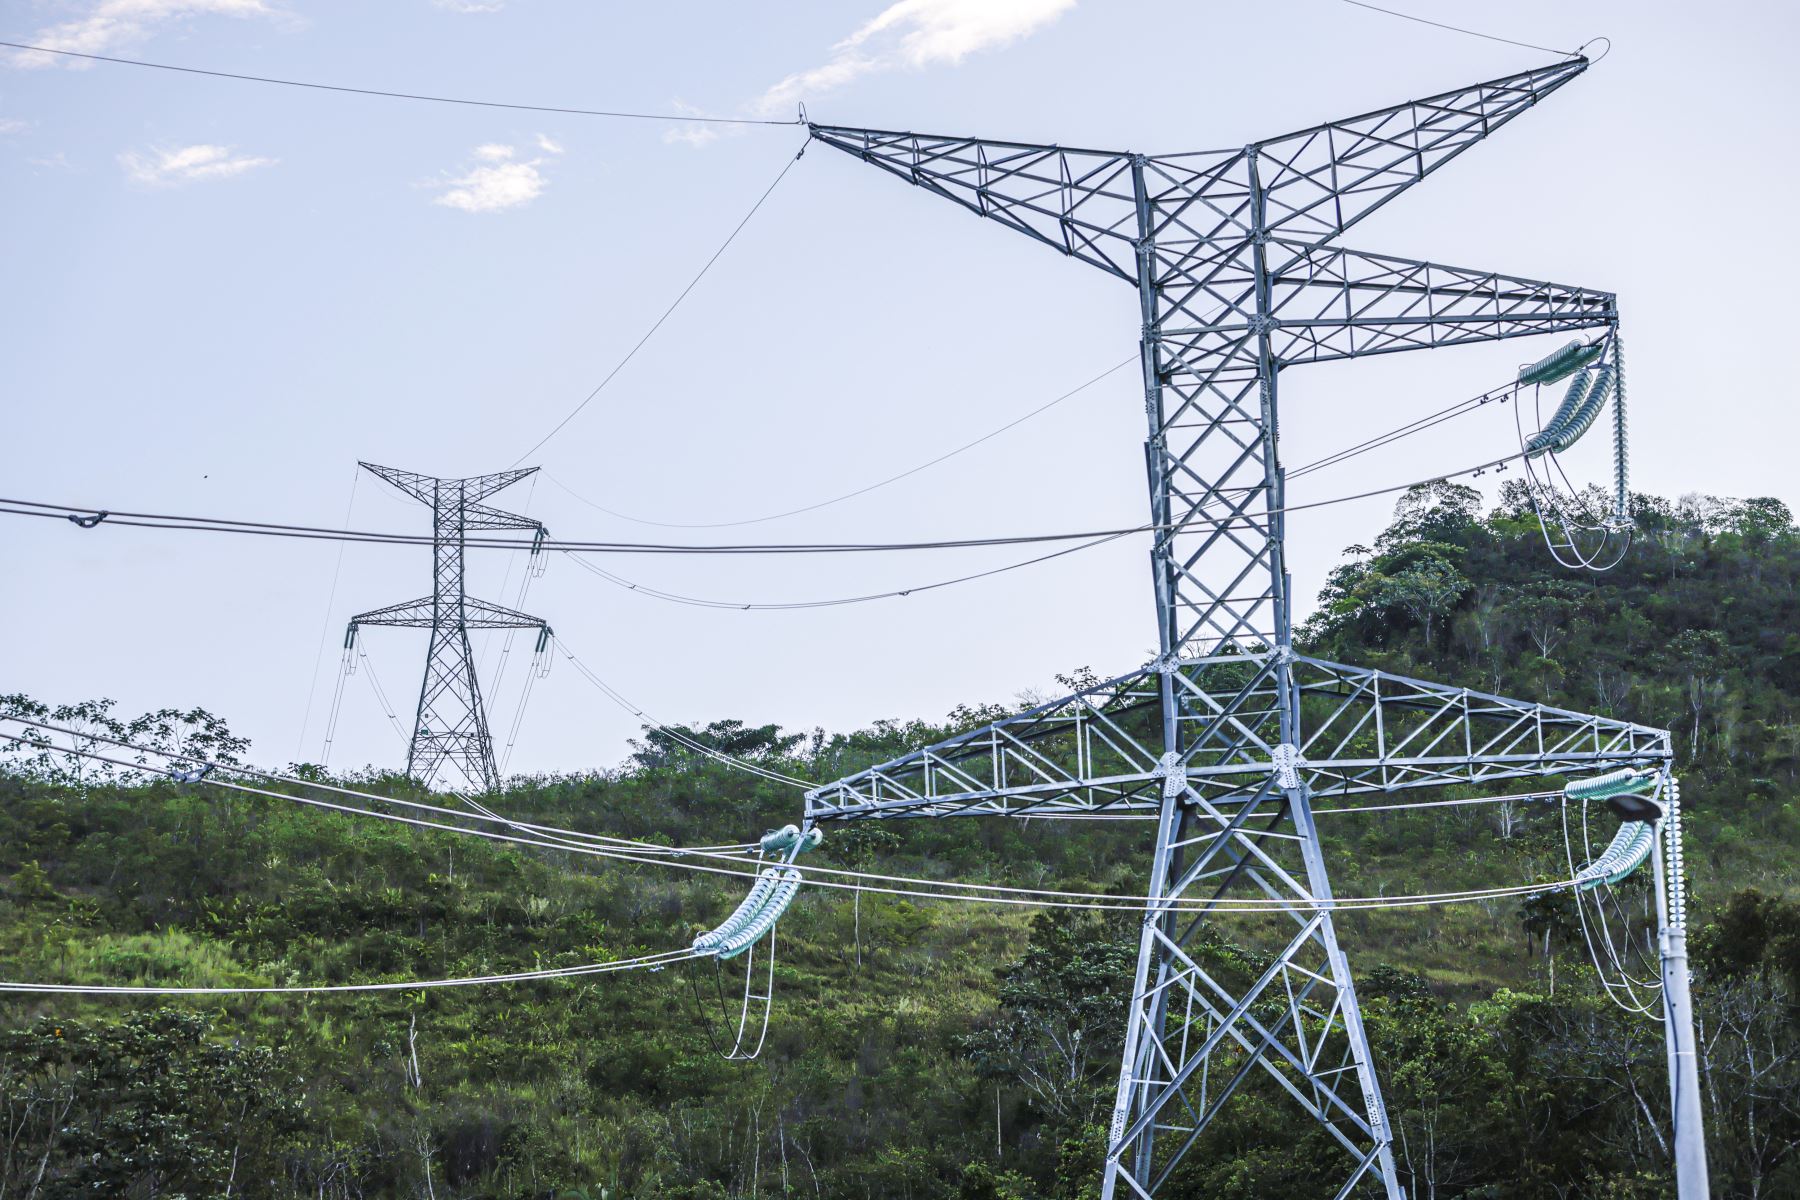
[450,740]
[1229,735]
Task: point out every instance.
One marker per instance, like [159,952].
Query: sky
[222,295]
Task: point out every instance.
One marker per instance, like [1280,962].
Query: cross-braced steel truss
[1229,736]
[450,740]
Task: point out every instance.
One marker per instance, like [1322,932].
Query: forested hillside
[918,1048]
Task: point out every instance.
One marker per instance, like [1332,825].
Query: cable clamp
[90,521]
[1286,762]
[193,776]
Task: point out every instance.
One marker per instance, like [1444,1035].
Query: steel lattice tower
[450,731]
[1229,735]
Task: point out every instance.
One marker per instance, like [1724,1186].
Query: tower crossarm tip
[479,487]
[1079,202]
[483,614]
[1370,731]
[419,487]
[480,516]
[1319,181]
[411,614]
[1329,302]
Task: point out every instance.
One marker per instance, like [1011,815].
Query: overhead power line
[661,959]
[838,601]
[1460,29]
[815,876]
[393,95]
[675,733]
[861,491]
[576,550]
[1096,540]
[141,520]
[669,311]
[88,517]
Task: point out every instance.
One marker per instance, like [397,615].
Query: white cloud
[12,125]
[916,34]
[113,24]
[499,179]
[189,164]
[471,6]
[695,134]
[691,135]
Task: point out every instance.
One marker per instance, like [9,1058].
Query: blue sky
[222,295]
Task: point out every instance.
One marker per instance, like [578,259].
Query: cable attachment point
[193,776]
[1286,762]
[89,522]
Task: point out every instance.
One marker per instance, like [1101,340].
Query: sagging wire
[866,488]
[325,626]
[635,846]
[1600,896]
[675,734]
[381,693]
[673,305]
[25,49]
[1192,522]
[1622,983]
[651,961]
[625,850]
[1596,372]
[353,652]
[745,929]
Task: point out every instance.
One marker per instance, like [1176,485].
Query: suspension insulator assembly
[790,841]
[1560,365]
[709,941]
[769,897]
[1621,791]
[1632,844]
[1580,408]
[1628,850]
[785,885]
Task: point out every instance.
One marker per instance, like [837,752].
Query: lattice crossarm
[1369,731]
[1080,753]
[1318,182]
[480,516]
[480,487]
[413,614]
[419,487]
[1080,202]
[483,614]
[1329,302]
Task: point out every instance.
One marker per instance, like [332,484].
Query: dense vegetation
[901,1062]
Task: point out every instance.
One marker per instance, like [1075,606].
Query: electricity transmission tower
[1229,735]
[450,739]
